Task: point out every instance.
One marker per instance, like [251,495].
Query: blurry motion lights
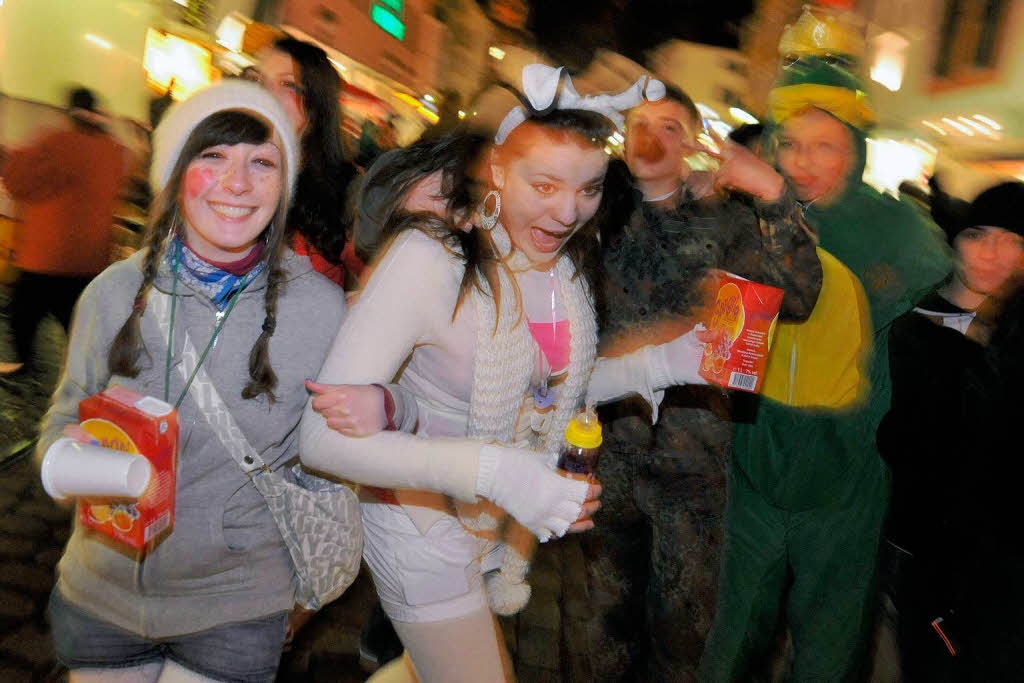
[429,98]
[407,99]
[890,60]
[926,146]
[462,114]
[422,107]
[721,128]
[709,142]
[496,52]
[168,57]
[231,32]
[427,114]
[984,130]
[706,111]
[956,125]
[890,162]
[963,125]
[98,42]
[742,115]
[988,122]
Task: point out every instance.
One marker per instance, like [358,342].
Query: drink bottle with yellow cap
[582,445]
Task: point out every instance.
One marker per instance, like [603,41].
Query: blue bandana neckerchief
[207,279]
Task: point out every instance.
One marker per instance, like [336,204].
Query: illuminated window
[969,37]
[168,57]
[890,60]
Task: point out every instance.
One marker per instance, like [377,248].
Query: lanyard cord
[170,334]
[209,344]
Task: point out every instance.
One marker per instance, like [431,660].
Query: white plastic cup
[72,469]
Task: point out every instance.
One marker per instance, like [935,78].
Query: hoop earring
[488,221]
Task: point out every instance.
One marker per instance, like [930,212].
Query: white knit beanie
[233,95]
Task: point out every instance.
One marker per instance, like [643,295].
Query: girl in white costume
[478,325]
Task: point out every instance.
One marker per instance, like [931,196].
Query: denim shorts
[246,652]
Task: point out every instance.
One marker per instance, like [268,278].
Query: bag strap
[205,394]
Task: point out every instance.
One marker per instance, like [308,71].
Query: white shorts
[420,577]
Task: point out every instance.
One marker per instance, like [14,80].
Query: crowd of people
[503,280]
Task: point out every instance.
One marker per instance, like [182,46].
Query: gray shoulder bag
[318,518]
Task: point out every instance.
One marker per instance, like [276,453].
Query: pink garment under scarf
[547,317]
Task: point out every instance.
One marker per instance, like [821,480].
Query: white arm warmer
[409,292]
[648,371]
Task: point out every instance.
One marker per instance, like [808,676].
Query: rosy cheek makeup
[199,179]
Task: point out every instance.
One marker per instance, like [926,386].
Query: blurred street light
[890,60]
[169,57]
[496,52]
[427,114]
[988,122]
[99,42]
[231,32]
[958,126]
[721,128]
[981,128]
[706,111]
[742,115]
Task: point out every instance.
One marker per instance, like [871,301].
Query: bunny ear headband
[546,88]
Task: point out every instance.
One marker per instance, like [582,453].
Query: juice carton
[123,420]
[745,314]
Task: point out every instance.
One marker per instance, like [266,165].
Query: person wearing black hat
[934,445]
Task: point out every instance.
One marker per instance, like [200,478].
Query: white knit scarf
[505,358]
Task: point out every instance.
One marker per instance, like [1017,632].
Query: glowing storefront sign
[170,57]
[388,20]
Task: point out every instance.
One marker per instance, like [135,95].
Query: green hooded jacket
[800,458]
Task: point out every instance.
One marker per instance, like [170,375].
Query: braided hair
[166,223]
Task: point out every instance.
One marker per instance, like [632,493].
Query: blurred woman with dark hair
[304,81]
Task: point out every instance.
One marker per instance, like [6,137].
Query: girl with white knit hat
[210,600]
[489,322]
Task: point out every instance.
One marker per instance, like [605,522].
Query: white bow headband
[546,88]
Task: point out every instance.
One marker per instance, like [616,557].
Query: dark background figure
[67,184]
[749,135]
[654,554]
[369,144]
[945,439]
[159,105]
[448,116]
[301,77]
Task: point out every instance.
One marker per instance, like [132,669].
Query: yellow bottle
[582,445]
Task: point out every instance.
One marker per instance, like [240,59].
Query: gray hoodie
[225,560]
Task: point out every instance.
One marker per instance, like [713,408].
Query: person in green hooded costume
[808,491]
